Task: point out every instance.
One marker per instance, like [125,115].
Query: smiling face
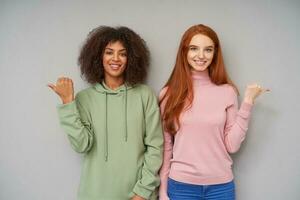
[200,52]
[114,61]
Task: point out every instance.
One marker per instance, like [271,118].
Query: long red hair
[179,88]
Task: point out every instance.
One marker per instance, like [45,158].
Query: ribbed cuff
[143,192]
[65,109]
[245,109]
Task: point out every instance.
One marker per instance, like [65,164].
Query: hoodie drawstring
[106,131]
[126,134]
[107,92]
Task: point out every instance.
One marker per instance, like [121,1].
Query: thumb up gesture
[64,89]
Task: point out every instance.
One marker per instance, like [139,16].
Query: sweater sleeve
[76,124]
[236,123]
[165,169]
[167,156]
[153,141]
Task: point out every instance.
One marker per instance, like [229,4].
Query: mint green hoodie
[119,132]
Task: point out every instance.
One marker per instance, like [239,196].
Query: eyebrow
[198,46]
[113,49]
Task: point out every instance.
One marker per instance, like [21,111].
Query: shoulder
[147,95]
[162,93]
[144,90]
[229,92]
[85,94]
[226,90]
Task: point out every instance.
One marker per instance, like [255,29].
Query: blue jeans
[185,191]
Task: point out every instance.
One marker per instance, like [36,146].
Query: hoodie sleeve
[153,141]
[75,122]
[237,121]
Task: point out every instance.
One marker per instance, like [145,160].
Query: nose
[115,57]
[201,53]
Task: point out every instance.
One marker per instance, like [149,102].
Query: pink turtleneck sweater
[211,129]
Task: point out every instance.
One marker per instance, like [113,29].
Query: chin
[199,69]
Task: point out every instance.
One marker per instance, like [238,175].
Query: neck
[114,83]
[200,77]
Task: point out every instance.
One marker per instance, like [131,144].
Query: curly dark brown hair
[91,55]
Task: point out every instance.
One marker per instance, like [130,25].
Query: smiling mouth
[115,66]
[200,62]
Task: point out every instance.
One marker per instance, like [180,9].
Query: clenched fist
[64,89]
[252,92]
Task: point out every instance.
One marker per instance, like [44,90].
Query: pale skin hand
[136,197]
[64,89]
[252,92]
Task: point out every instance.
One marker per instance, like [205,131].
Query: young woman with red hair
[202,122]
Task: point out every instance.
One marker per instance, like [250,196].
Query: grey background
[40,40]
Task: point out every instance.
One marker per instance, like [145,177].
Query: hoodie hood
[103,88]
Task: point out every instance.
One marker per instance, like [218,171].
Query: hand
[137,197]
[64,89]
[252,92]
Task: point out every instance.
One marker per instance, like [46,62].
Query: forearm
[165,169]
[149,180]
[235,132]
[78,131]
[153,155]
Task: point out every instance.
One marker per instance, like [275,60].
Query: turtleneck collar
[200,77]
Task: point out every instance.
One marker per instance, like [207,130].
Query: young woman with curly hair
[116,121]
[202,122]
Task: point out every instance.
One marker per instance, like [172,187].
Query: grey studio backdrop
[40,40]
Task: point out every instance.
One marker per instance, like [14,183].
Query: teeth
[115,66]
[200,62]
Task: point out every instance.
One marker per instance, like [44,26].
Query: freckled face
[114,60]
[201,52]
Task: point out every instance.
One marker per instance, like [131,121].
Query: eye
[209,50]
[193,48]
[123,54]
[108,52]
